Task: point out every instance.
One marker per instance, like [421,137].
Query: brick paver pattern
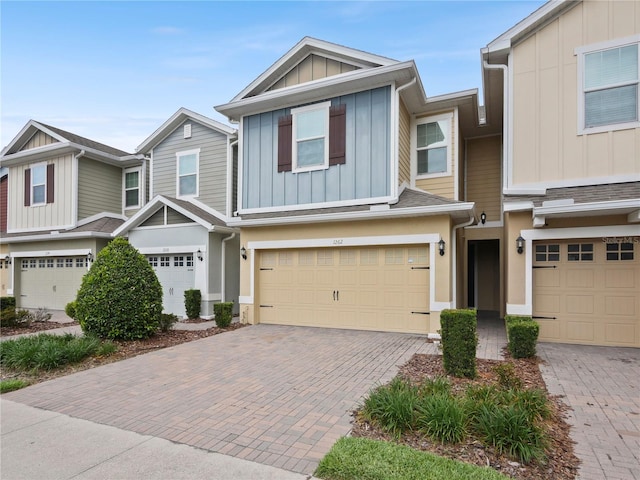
[272,394]
[602,386]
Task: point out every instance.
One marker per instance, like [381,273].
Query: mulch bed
[34,327]
[561,463]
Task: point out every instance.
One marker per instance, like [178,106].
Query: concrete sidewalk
[40,444]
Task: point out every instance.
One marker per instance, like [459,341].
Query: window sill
[426,176]
[608,128]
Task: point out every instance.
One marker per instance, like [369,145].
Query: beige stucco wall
[56,214]
[514,222]
[340,230]
[546,146]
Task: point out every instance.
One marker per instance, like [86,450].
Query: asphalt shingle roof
[85,142]
[584,194]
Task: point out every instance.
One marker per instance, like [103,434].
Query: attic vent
[187,130]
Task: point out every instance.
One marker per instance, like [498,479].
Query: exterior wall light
[199,254]
[483,218]
[7,259]
[89,257]
[520,244]
[441,247]
[243,253]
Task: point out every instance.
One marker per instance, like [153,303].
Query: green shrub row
[192,299]
[510,420]
[223,314]
[522,334]
[459,342]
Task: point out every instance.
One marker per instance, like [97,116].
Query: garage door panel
[581,331]
[619,278]
[620,333]
[50,282]
[580,278]
[547,304]
[621,305]
[546,278]
[577,304]
[549,329]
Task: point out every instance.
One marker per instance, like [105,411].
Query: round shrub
[120,297]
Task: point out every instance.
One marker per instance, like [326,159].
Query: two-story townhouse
[568,77]
[65,195]
[183,230]
[349,191]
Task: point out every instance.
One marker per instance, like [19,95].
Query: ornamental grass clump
[391,406]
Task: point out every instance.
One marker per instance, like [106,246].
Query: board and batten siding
[39,139]
[443,186]
[404,145]
[484,175]
[313,67]
[212,184]
[99,188]
[56,214]
[546,146]
[366,173]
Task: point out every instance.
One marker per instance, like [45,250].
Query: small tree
[120,297]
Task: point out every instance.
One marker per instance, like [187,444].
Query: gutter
[230,146]
[223,266]
[505,118]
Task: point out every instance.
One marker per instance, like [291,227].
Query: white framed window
[608,85]
[132,190]
[39,184]
[310,146]
[165,261]
[187,175]
[432,146]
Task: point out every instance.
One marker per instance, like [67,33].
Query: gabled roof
[175,121]
[202,215]
[302,50]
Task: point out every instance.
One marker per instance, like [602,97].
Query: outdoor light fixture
[441,247]
[89,257]
[483,218]
[520,244]
[199,254]
[243,253]
[7,260]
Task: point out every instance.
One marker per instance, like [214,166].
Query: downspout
[223,265]
[454,253]
[505,119]
[230,146]
[74,183]
[397,135]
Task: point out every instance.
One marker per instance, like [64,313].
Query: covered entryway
[587,291]
[49,282]
[176,274]
[366,288]
[483,280]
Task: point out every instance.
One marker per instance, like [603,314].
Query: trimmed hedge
[192,299]
[120,297]
[522,334]
[223,314]
[459,342]
[7,302]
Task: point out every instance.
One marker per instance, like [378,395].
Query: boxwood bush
[522,334]
[459,342]
[120,297]
[7,302]
[192,299]
[223,313]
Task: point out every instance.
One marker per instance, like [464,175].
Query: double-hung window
[433,150]
[132,188]
[188,162]
[608,85]
[38,184]
[310,137]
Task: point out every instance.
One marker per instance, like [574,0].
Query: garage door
[50,282]
[384,289]
[587,292]
[176,274]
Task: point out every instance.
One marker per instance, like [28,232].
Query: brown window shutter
[284,143]
[337,134]
[50,191]
[27,187]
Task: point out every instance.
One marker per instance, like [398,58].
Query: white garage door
[372,288]
[50,282]
[587,292]
[176,274]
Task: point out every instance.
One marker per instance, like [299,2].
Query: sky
[114,71]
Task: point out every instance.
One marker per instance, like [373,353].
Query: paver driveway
[273,394]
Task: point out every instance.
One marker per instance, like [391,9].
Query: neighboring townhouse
[350,191]
[63,195]
[569,77]
[183,230]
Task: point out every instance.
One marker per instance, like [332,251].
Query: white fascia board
[310,206]
[359,215]
[517,206]
[35,154]
[55,236]
[99,216]
[174,122]
[67,252]
[634,217]
[593,208]
[540,188]
[582,232]
[318,89]
[140,216]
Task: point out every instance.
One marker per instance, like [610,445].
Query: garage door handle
[419,268]
[545,318]
[266,306]
[544,266]
[338,295]
[421,313]
[266,269]
[334,295]
[54,288]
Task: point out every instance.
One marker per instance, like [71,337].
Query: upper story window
[433,146]
[132,188]
[608,86]
[312,138]
[188,166]
[38,185]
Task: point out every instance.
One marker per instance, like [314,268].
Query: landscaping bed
[34,327]
[561,463]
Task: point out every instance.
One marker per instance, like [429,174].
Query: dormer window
[433,146]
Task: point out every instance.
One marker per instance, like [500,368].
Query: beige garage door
[587,291]
[50,282]
[377,288]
